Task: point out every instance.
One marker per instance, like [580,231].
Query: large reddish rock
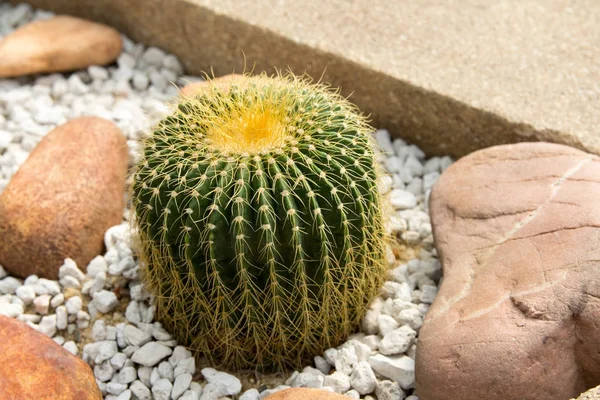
[517,228]
[63,198]
[62,43]
[305,394]
[33,366]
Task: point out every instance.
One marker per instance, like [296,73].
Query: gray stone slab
[452,77]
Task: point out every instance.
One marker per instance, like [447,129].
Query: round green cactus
[260,221]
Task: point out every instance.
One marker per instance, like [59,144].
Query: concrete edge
[207,41]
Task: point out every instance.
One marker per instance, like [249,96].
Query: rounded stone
[516,228]
[33,366]
[63,198]
[62,43]
[305,394]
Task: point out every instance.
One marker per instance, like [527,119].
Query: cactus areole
[260,221]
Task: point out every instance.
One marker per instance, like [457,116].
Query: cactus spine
[260,221]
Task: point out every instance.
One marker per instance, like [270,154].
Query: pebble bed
[106,315]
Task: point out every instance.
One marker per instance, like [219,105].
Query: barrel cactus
[260,221]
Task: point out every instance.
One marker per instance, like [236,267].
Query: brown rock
[33,366]
[592,394]
[221,82]
[61,43]
[517,228]
[63,198]
[305,394]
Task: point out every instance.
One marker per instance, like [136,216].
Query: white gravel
[138,358]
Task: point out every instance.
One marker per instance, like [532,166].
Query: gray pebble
[57,300]
[196,387]
[185,366]
[115,388]
[401,199]
[132,313]
[97,265]
[397,341]
[34,318]
[74,305]
[118,360]
[105,301]
[189,395]
[150,354]
[71,347]
[227,384]
[129,350]
[97,72]
[182,383]
[135,336]
[99,330]
[59,340]
[363,379]
[126,395]
[162,389]
[140,391]
[140,80]
[322,364]
[250,394]
[11,310]
[160,333]
[69,282]
[165,370]
[153,56]
[179,353]
[339,381]
[144,374]
[104,371]
[111,333]
[127,375]
[398,368]
[428,293]
[69,268]
[25,293]
[48,325]
[388,390]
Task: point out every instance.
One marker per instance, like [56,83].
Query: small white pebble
[57,300]
[105,301]
[74,305]
[59,340]
[9,285]
[48,325]
[118,360]
[71,347]
[140,390]
[25,293]
[182,383]
[69,268]
[97,265]
[162,389]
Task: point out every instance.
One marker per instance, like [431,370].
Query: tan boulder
[517,228]
[33,366]
[305,394]
[221,82]
[62,43]
[63,198]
